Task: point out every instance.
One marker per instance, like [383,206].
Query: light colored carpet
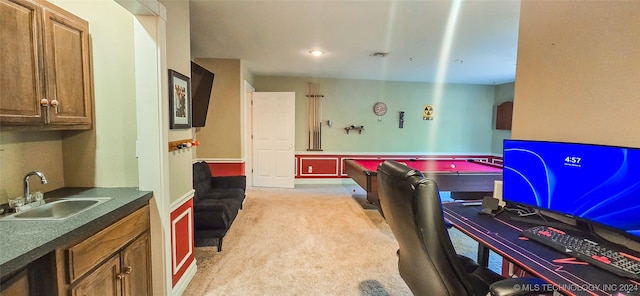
[312,240]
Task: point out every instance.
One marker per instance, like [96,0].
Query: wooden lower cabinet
[103,281]
[113,262]
[126,273]
[16,285]
[136,260]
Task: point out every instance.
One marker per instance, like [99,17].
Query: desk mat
[568,275]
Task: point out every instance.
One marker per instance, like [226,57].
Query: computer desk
[564,273]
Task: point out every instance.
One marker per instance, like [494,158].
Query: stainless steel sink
[58,208]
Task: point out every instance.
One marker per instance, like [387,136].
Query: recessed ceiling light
[316,52]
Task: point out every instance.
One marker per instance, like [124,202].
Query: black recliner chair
[427,260]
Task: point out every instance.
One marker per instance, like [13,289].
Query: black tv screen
[201,85]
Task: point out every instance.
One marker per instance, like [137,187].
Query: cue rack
[315,115]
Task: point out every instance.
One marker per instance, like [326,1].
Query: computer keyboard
[607,258]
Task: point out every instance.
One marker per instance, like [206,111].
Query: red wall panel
[332,166]
[181,239]
[227,168]
[319,166]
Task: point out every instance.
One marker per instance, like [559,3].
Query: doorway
[273,138]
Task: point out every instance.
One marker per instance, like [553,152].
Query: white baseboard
[184,281]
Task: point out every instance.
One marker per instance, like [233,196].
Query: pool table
[464,178]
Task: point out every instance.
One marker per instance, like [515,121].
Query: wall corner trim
[180,201]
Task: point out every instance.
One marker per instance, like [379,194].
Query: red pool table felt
[473,179]
[437,166]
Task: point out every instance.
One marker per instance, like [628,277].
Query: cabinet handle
[44,103]
[54,104]
[127,270]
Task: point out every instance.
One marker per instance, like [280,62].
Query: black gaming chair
[427,260]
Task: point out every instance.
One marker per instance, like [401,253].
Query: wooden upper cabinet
[20,78]
[47,49]
[504,115]
[66,44]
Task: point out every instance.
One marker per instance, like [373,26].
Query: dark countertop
[24,241]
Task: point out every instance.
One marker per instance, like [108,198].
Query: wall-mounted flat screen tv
[201,86]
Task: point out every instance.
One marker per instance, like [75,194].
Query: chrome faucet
[27,193]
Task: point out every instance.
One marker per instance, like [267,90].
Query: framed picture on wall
[179,100]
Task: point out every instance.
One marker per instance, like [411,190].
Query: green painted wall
[462,121]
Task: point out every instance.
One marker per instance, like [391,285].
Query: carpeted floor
[312,240]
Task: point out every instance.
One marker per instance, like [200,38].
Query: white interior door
[273,139]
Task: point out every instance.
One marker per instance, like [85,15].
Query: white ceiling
[274,38]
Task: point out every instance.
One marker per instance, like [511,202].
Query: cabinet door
[504,114]
[21,81]
[17,285]
[68,79]
[136,266]
[104,281]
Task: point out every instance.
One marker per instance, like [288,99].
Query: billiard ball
[453,166]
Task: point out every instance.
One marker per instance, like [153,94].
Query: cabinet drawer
[89,253]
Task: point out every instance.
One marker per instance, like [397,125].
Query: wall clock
[380,108]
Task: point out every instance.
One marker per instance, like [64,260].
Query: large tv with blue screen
[595,183]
